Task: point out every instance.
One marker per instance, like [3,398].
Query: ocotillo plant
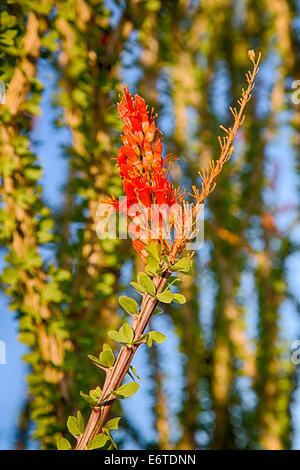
[161,220]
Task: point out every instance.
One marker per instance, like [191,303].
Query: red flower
[142,168]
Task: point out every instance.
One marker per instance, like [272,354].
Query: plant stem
[116,374]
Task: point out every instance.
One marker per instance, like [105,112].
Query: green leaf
[182,266]
[179,298]
[73,426]
[140,339]
[149,271]
[50,41]
[28,338]
[98,442]
[133,370]
[91,401]
[9,275]
[155,336]
[62,275]
[96,393]
[174,281]
[129,304]
[113,334]
[126,390]
[158,311]
[80,421]
[93,397]
[33,173]
[138,287]
[126,333]
[146,283]
[153,264]
[63,444]
[107,358]
[94,359]
[166,296]
[112,423]
[52,293]
[154,250]
[43,234]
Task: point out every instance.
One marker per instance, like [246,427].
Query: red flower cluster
[143,170]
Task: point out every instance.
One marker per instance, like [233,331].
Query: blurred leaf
[63,444]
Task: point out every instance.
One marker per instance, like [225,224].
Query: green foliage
[156,337]
[112,423]
[158,311]
[138,287]
[52,293]
[146,283]
[179,298]
[126,390]
[106,358]
[153,259]
[165,296]
[183,266]
[129,304]
[154,250]
[124,335]
[133,370]
[99,442]
[75,425]
[63,444]
[93,397]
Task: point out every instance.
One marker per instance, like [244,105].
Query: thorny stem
[116,374]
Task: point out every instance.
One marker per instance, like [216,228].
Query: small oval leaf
[90,400]
[146,283]
[80,421]
[112,423]
[73,426]
[63,444]
[98,442]
[126,390]
[128,304]
[156,336]
[126,334]
[107,358]
[154,249]
[182,266]
[113,334]
[166,296]
[179,298]
[138,287]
